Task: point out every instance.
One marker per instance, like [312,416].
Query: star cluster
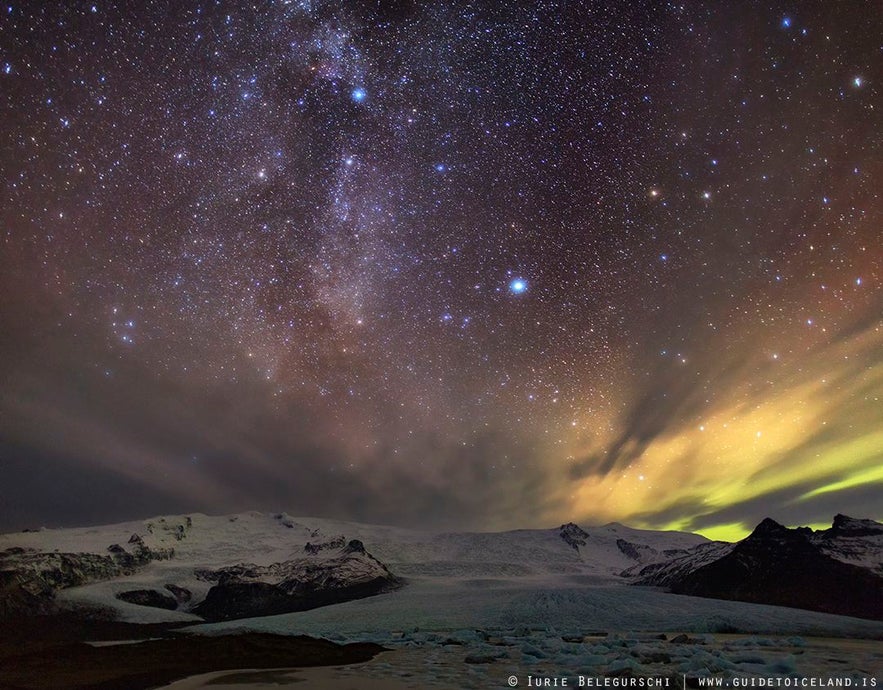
[454,264]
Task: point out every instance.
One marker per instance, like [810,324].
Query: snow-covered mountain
[837,570]
[853,541]
[220,567]
[215,568]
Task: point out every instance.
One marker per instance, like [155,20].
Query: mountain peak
[573,528]
[768,528]
[844,525]
[574,535]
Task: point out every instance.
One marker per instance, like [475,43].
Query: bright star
[858,82]
[518,286]
[359,94]
[786,22]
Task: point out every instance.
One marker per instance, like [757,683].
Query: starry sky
[442,264]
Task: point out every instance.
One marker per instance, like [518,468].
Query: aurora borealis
[455,265]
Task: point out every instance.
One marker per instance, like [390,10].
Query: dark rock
[769,528]
[637,552]
[244,600]
[845,526]
[682,562]
[573,535]
[248,590]
[148,597]
[206,574]
[30,579]
[354,546]
[788,567]
[683,639]
[13,551]
[181,594]
[336,543]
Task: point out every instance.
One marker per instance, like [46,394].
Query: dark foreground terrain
[51,652]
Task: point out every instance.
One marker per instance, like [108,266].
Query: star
[414,228]
[518,286]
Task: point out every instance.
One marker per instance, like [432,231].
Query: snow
[486,562]
[263,539]
[478,607]
[454,581]
[525,581]
[541,603]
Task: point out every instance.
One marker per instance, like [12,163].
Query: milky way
[442,264]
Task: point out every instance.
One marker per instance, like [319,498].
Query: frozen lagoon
[479,633]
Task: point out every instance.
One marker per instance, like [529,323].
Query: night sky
[447,265]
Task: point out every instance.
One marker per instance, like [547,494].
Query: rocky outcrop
[573,535]
[182,594]
[845,526]
[177,530]
[677,564]
[149,597]
[29,579]
[247,590]
[637,552]
[336,543]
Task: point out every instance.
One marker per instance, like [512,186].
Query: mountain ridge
[837,570]
[253,564]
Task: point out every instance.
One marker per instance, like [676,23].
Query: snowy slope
[264,539]
[513,553]
[855,541]
[255,547]
[452,579]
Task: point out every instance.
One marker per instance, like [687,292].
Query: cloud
[778,438]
